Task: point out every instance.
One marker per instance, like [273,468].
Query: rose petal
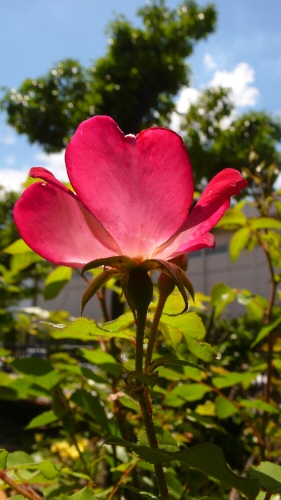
[196,243]
[140,188]
[211,206]
[56,225]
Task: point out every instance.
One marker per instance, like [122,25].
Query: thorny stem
[143,397]
[31,494]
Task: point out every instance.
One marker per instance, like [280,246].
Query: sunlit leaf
[238,242]
[18,246]
[84,329]
[188,323]
[55,281]
[265,331]
[269,475]
[225,408]
[45,418]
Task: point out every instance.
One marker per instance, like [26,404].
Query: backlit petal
[140,188]
[56,225]
[211,206]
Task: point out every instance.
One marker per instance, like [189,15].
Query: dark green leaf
[39,371]
[92,406]
[172,361]
[207,458]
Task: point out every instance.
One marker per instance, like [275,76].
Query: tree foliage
[135,82]
[217,138]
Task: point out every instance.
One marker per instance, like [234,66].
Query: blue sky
[244,53]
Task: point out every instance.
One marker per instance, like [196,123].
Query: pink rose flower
[133,198]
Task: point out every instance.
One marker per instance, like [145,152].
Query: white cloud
[239,80]
[209,62]
[12,179]
[186,97]
[53,162]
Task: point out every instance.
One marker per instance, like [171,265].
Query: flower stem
[143,397]
[154,329]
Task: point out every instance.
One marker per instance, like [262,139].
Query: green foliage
[135,82]
[216,139]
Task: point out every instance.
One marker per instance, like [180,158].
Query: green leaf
[144,494]
[255,304]
[232,378]
[18,458]
[265,331]
[265,223]
[3,459]
[259,404]
[148,379]
[56,280]
[238,242]
[46,467]
[96,284]
[18,246]
[221,296]
[186,392]
[123,322]
[201,350]
[39,371]
[225,408]
[86,330]
[232,217]
[207,458]
[102,359]
[92,406]
[269,475]
[188,323]
[21,261]
[201,498]
[84,494]
[172,361]
[45,418]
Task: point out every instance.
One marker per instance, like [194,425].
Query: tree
[216,138]
[135,82]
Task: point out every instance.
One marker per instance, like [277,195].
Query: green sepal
[171,361]
[96,284]
[176,273]
[121,262]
